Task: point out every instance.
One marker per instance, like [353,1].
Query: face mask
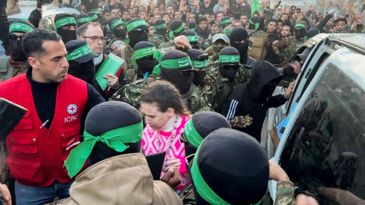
[120,33]
[242,48]
[146,65]
[198,77]
[181,79]
[16,51]
[66,35]
[229,71]
[137,36]
[84,71]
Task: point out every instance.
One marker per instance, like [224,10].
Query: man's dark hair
[33,41]
[272,20]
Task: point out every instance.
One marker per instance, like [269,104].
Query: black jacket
[254,98]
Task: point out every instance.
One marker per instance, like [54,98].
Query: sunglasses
[231,67]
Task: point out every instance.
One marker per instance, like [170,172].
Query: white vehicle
[323,133]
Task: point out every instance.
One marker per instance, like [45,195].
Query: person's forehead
[54,48]
[94,30]
[149,108]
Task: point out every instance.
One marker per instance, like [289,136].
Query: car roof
[354,41]
[315,39]
[52,11]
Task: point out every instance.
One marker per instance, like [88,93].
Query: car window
[325,151]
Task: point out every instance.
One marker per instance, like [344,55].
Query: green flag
[255,6]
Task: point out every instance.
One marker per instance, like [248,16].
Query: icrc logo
[71,109]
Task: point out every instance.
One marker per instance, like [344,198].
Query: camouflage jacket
[216,88]
[9,68]
[213,55]
[288,48]
[285,193]
[130,70]
[131,93]
[156,39]
[166,45]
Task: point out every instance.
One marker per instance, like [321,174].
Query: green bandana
[227,31]
[173,64]
[192,135]
[79,52]
[160,26]
[65,21]
[226,21]
[82,20]
[200,64]
[20,27]
[172,34]
[229,59]
[202,187]
[299,26]
[143,52]
[115,139]
[135,24]
[116,23]
[94,17]
[193,39]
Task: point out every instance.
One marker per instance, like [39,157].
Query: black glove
[35,17]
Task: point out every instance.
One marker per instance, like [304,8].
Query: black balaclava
[146,64]
[199,73]
[108,116]
[193,38]
[204,123]
[229,69]
[15,46]
[84,71]
[233,165]
[239,39]
[263,81]
[160,27]
[181,78]
[66,35]
[137,36]
[118,28]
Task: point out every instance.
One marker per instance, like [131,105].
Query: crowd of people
[201,73]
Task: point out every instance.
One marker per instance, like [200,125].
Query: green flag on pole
[255,6]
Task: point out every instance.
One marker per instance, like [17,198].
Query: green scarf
[115,139]
[173,64]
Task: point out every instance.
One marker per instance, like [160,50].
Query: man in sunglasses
[222,76]
[15,63]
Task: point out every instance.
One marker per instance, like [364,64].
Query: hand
[172,177]
[276,172]
[182,42]
[289,90]
[297,68]
[5,193]
[113,81]
[303,199]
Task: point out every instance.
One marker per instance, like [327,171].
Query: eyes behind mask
[181,79]
[120,33]
[229,71]
[16,50]
[146,65]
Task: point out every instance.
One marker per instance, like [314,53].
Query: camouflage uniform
[213,55]
[285,193]
[216,88]
[9,68]
[131,93]
[289,48]
[258,48]
[156,39]
[166,46]
[130,71]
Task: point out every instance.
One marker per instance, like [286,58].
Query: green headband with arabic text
[229,59]
[144,52]
[115,139]
[79,52]
[160,26]
[116,23]
[20,27]
[172,64]
[65,21]
[135,24]
[172,34]
[82,20]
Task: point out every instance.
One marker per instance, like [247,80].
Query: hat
[79,51]
[201,124]
[230,167]
[220,36]
[113,123]
[21,26]
[62,20]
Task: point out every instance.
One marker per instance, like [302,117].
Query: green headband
[115,139]
[202,187]
[65,21]
[172,34]
[193,39]
[160,26]
[85,19]
[229,58]
[135,24]
[227,31]
[79,52]
[116,23]
[200,64]
[173,64]
[226,21]
[143,52]
[20,27]
[94,17]
[257,25]
[192,135]
[300,26]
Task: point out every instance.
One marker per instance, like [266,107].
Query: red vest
[36,154]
